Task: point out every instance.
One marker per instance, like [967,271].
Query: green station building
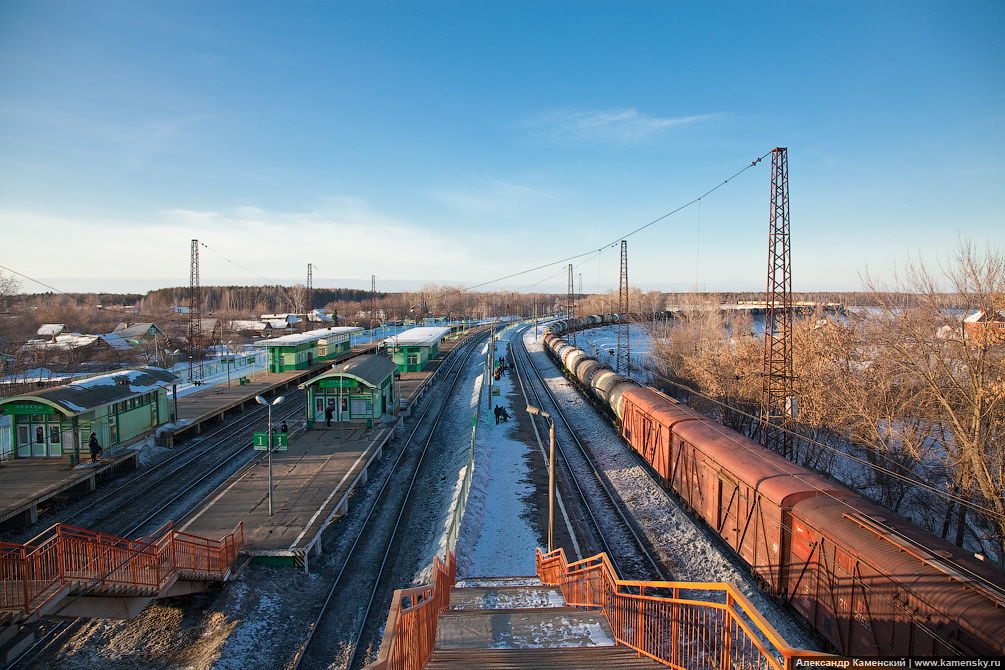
[300,351]
[119,408]
[414,348]
[361,389]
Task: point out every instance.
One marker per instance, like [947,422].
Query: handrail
[719,629]
[64,557]
[410,632]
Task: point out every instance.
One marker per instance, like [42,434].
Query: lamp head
[534,410]
[260,400]
[279,400]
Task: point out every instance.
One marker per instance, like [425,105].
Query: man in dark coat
[329,411]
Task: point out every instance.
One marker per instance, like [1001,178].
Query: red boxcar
[744,492]
[876,584]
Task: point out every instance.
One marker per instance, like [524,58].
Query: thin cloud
[619,125]
[490,197]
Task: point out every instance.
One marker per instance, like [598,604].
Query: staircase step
[487,582]
[522,628]
[595,658]
[507,597]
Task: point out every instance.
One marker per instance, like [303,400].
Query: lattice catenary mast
[194,316]
[570,310]
[778,403]
[310,288]
[623,361]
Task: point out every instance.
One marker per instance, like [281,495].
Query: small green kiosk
[361,389]
[414,348]
[300,351]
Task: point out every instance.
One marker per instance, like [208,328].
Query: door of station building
[39,439]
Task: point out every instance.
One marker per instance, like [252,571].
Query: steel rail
[587,461]
[457,366]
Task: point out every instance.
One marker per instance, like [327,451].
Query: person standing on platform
[283,428]
[329,411]
[497,411]
[95,448]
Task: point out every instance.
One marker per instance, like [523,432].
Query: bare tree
[956,367]
[9,285]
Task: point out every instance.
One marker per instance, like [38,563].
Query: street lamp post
[551,474]
[338,395]
[229,356]
[262,401]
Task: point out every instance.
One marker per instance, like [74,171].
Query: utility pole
[623,362]
[778,401]
[194,315]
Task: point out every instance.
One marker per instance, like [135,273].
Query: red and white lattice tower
[777,395]
[195,370]
[623,363]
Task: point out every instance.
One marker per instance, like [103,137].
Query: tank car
[569,357]
[586,367]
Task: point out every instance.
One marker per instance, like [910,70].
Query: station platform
[28,483]
[312,482]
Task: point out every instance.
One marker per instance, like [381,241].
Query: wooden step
[595,658]
[508,597]
[522,628]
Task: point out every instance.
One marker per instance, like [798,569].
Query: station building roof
[370,368]
[89,394]
[303,338]
[418,337]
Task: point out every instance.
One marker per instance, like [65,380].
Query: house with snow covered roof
[138,333]
[985,326]
[72,348]
[120,408]
[49,330]
[317,316]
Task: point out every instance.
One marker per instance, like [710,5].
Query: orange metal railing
[410,632]
[714,627]
[65,558]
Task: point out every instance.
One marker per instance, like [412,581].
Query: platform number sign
[279,441]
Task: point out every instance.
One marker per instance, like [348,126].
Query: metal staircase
[68,561]
[577,615]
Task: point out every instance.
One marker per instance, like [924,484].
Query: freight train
[868,581]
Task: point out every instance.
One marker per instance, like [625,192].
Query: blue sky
[463,142]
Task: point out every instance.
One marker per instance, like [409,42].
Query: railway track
[378,559]
[612,530]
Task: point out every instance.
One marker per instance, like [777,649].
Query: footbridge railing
[410,632]
[685,625]
[64,559]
